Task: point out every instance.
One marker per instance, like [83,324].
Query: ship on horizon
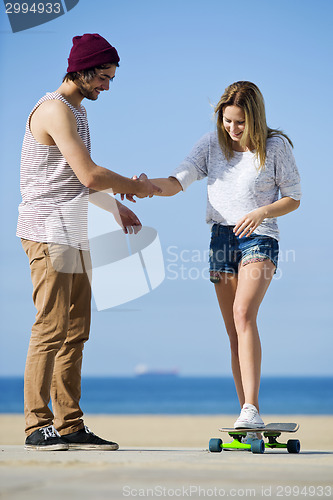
[143,370]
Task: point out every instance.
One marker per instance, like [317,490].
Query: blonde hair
[248,97]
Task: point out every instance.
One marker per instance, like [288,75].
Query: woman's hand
[247,224]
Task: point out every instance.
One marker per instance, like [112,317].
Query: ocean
[163,394]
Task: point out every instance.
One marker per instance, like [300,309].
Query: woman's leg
[253,282]
[225,291]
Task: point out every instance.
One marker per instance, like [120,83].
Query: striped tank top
[54,207]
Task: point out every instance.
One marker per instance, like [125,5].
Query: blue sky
[176,59]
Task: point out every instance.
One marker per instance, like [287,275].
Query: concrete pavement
[163,473]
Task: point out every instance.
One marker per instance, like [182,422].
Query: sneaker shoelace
[49,432]
[88,431]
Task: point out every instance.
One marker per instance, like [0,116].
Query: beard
[86,90]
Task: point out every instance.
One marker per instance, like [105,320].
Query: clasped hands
[147,189]
[124,216]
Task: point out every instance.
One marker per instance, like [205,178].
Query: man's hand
[127,219]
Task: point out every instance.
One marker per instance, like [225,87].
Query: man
[57,178]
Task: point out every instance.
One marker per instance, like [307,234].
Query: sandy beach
[166,456]
[175,430]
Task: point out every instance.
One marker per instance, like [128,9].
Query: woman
[247,164]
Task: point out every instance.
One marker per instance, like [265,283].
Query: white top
[54,207]
[237,187]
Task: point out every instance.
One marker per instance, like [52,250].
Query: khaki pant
[61,294]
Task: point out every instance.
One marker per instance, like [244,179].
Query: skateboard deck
[270,431]
[274,427]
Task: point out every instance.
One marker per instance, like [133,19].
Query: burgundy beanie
[89,51]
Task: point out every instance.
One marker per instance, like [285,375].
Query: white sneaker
[249,418]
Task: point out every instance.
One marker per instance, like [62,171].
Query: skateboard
[269,431]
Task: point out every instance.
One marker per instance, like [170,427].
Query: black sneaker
[84,439]
[45,439]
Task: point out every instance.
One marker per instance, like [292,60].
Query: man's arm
[54,120]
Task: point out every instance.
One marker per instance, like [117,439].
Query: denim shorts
[227,251]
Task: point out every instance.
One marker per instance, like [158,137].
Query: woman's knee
[243,315]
